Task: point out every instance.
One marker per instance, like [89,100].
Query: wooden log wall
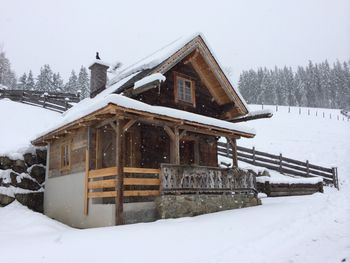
[164,96]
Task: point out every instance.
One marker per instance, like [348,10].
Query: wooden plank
[141,170]
[102,194]
[141,181]
[110,171]
[110,183]
[130,193]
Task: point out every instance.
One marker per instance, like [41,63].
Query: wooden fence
[56,101]
[281,164]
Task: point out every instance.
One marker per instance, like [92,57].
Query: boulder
[5,163]
[38,173]
[34,201]
[29,184]
[41,156]
[19,166]
[29,159]
[5,200]
[24,183]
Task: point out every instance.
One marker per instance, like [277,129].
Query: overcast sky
[243,34]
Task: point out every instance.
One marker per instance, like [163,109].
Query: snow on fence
[340,115]
[281,164]
[56,101]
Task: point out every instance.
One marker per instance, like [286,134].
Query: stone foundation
[174,206]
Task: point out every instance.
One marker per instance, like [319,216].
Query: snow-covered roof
[156,58]
[153,59]
[91,105]
[149,79]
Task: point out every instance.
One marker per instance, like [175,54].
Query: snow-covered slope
[321,140]
[312,228]
[19,124]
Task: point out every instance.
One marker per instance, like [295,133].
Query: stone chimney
[98,77]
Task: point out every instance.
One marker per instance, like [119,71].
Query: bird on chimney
[98,56]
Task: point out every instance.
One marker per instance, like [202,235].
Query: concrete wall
[64,201]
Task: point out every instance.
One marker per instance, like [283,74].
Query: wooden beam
[128,125]
[119,200]
[177,146]
[170,132]
[233,144]
[87,168]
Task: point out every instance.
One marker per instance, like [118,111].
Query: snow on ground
[313,228]
[20,123]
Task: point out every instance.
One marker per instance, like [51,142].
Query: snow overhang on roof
[89,106]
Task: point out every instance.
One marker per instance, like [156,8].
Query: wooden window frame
[178,76]
[63,145]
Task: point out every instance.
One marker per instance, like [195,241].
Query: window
[65,156]
[184,89]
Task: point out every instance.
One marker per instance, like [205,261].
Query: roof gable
[193,50]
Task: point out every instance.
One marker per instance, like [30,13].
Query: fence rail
[56,101]
[281,164]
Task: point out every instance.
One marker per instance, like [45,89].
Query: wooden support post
[233,145]
[87,168]
[177,146]
[119,200]
[228,148]
[307,168]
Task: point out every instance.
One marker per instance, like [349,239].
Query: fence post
[227,149]
[299,110]
[335,177]
[308,111]
[280,168]
[276,107]
[307,168]
[288,109]
[253,154]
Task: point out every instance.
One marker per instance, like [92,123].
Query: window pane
[180,89]
[188,91]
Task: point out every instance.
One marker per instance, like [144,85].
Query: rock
[13,177]
[41,156]
[5,163]
[29,159]
[19,166]
[5,200]
[38,173]
[26,183]
[33,200]
[265,173]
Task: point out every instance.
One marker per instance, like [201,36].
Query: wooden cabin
[146,138]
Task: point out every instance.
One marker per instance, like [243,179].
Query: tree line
[316,85]
[46,80]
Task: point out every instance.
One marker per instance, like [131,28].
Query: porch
[136,158]
[225,187]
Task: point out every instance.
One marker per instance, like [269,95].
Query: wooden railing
[281,164]
[100,183]
[178,179]
[56,101]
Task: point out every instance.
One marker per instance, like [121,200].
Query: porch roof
[90,107]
